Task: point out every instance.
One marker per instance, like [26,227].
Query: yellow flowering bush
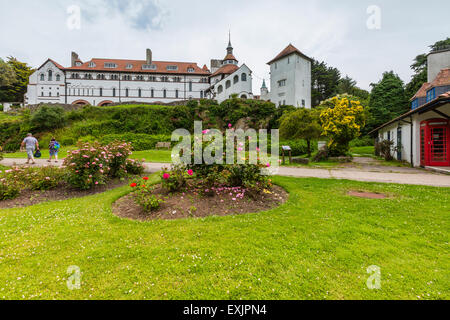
[342,123]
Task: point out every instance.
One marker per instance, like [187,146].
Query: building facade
[290,79]
[422,135]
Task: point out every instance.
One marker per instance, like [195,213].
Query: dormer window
[172,68]
[190,70]
[78,64]
[129,66]
[148,67]
[431,94]
[92,65]
[415,104]
[110,65]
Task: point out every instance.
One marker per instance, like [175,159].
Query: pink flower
[190,172]
[230,125]
[166,176]
[96,182]
[268,165]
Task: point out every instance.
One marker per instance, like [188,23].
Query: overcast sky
[197,31]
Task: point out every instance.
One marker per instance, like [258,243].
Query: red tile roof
[226,69]
[290,49]
[54,62]
[422,91]
[161,67]
[442,79]
[230,57]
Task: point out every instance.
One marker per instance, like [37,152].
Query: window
[49,94]
[235,79]
[92,65]
[100,77]
[114,92]
[129,66]
[172,68]
[152,78]
[219,89]
[42,94]
[164,93]
[176,93]
[139,93]
[190,70]
[431,94]
[148,67]
[110,65]
[289,60]
[50,75]
[282,83]
[190,86]
[244,77]
[177,79]
[201,94]
[114,77]
[228,84]
[58,77]
[140,78]
[415,104]
[42,77]
[276,66]
[152,93]
[164,79]
[127,78]
[127,92]
[101,92]
[303,103]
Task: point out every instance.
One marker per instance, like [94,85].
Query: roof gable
[290,49]
[55,63]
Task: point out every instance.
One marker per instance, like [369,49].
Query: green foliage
[144,197]
[301,124]
[139,141]
[175,179]
[325,81]
[45,178]
[387,100]
[7,74]
[15,87]
[8,189]
[384,149]
[47,118]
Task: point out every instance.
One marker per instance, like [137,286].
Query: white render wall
[436,62]
[241,88]
[86,90]
[406,134]
[297,72]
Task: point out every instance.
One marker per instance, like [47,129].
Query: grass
[307,249]
[7,117]
[368,151]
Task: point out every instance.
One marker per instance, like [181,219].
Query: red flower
[190,172]
[133,185]
[166,176]
[145,178]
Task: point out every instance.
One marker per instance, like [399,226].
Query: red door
[435,142]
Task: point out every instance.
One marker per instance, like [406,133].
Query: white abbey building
[101,82]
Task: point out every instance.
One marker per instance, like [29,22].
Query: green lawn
[368,151]
[307,249]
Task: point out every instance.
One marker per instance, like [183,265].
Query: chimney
[149,56]
[437,60]
[74,58]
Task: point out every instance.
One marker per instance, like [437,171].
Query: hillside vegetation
[142,125]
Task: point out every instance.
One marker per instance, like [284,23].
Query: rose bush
[144,197]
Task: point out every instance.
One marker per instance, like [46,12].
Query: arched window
[42,77]
[152,93]
[235,79]
[114,92]
[190,86]
[219,89]
[228,84]
[50,75]
[58,77]
[165,93]
[101,92]
[127,92]
[139,92]
[244,77]
[176,93]
[243,96]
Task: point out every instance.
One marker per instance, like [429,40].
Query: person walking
[53,150]
[31,144]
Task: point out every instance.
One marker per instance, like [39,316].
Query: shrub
[139,141]
[384,149]
[8,189]
[362,142]
[48,118]
[118,153]
[174,180]
[144,197]
[134,167]
[45,178]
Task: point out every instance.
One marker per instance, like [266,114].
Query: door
[438,146]
[399,144]
[423,146]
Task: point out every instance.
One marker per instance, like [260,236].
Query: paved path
[410,176]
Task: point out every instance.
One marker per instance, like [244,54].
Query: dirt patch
[367,195]
[187,205]
[63,192]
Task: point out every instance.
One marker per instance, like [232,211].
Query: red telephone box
[435,142]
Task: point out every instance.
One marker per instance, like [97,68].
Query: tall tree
[7,74]
[324,82]
[15,91]
[387,100]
